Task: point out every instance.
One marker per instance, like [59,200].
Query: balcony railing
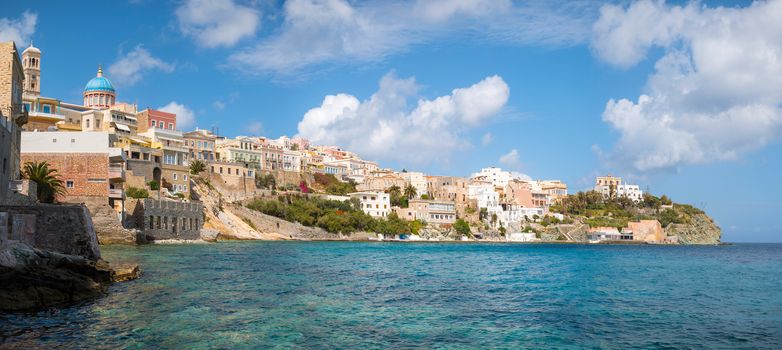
[116,193]
[116,172]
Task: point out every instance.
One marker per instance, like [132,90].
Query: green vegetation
[153,185]
[249,223]
[135,192]
[462,228]
[410,191]
[265,181]
[396,197]
[47,180]
[197,166]
[616,212]
[331,215]
[333,186]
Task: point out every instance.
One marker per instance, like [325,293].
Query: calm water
[382,295]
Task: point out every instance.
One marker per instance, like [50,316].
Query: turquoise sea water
[421,295]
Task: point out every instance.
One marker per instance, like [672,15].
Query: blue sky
[534,78]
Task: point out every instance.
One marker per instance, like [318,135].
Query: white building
[486,197]
[497,176]
[633,192]
[291,160]
[417,180]
[376,204]
[516,214]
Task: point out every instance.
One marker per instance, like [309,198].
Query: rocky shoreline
[32,279]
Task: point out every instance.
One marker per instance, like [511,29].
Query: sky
[681,98]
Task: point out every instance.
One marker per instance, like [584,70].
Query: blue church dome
[99,83]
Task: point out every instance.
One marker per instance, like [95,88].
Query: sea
[375,295]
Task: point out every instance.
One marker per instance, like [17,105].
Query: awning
[122,127]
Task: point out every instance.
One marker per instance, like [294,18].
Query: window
[184,188]
[175,176]
[47,108]
[171,126]
[69,184]
[153,124]
[184,177]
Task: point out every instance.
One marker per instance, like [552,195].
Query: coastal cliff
[700,230]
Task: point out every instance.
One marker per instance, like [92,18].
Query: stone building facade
[160,220]
[12,114]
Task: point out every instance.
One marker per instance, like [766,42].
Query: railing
[116,172]
[116,193]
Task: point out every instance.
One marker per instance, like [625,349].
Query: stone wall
[106,221]
[65,229]
[160,220]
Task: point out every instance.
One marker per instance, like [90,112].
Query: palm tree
[197,166]
[394,191]
[47,179]
[410,191]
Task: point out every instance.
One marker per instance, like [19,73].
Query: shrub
[135,192]
[154,185]
[462,228]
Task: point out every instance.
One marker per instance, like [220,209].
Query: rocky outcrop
[106,222]
[33,279]
[701,230]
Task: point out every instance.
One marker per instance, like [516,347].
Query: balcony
[116,172]
[116,193]
[44,115]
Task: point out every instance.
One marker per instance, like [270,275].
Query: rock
[701,230]
[33,279]
[209,235]
[124,272]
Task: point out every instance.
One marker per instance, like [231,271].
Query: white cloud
[511,159]
[130,69]
[18,30]
[337,31]
[715,93]
[185,117]
[255,128]
[487,139]
[385,128]
[214,23]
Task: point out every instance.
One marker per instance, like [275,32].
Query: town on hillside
[143,178]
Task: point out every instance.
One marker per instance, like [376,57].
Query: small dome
[31,48]
[99,83]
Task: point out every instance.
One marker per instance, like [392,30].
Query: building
[240,150]
[12,115]
[612,186]
[647,231]
[291,160]
[89,167]
[175,172]
[497,176]
[555,190]
[375,204]
[201,145]
[633,192]
[151,118]
[415,179]
[429,211]
[99,93]
[272,156]
[600,234]
[381,180]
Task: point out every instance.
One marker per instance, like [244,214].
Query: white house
[497,176]
[633,192]
[376,204]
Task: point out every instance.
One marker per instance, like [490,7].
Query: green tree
[462,228]
[396,195]
[47,180]
[483,214]
[154,185]
[197,166]
[410,191]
